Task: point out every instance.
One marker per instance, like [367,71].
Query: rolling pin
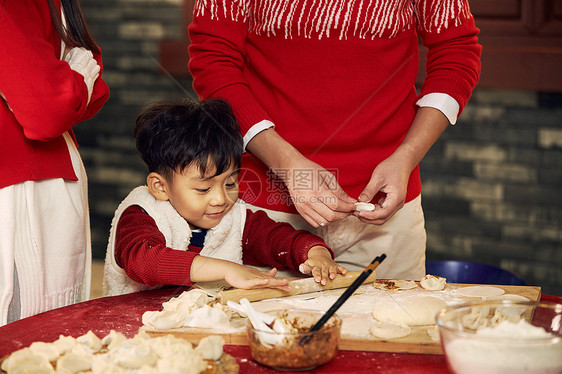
[298,287]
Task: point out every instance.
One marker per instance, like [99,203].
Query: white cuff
[442,102]
[255,130]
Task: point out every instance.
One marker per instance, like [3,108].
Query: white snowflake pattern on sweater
[340,18]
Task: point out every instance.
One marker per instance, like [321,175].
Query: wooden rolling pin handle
[298,287]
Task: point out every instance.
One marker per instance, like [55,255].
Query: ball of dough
[416,310]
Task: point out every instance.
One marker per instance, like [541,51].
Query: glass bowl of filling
[502,337]
[291,346]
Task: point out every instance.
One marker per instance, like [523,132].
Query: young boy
[186,226]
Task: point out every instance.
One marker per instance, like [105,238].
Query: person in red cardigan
[324,93]
[186,225]
[50,80]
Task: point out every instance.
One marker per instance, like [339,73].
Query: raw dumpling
[90,341]
[208,317]
[364,207]
[163,320]
[433,282]
[210,347]
[73,363]
[187,302]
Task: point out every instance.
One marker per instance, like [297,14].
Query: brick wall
[491,184]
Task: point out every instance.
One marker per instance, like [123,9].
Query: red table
[123,313]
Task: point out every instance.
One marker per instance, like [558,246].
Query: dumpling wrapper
[480,291]
[387,330]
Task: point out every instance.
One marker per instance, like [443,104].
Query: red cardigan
[141,248]
[46,96]
[335,77]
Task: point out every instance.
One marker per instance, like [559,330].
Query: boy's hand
[320,265]
[247,277]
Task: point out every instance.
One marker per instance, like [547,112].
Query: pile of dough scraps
[115,354]
[193,308]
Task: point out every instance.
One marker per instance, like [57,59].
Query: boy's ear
[158,186]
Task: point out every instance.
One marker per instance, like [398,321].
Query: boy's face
[203,200]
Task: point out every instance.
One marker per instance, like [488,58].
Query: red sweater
[141,248]
[46,96]
[336,77]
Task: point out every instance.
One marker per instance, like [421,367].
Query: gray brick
[524,156]
[531,233]
[504,172]
[483,113]
[506,98]
[532,194]
[550,137]
[506,136]
[502,212]
[474,152]
[534,118]
[434,166]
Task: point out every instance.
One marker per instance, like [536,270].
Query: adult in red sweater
[325,98]
[49,81]
[186,226]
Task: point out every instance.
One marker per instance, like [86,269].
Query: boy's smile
[202,200]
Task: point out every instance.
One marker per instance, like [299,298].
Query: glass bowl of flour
[502,337]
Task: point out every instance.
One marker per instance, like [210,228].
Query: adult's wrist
[273,150]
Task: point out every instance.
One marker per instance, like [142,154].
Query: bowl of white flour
[502,337]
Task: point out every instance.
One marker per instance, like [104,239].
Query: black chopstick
[343,298]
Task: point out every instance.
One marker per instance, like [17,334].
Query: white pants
[45,246]
[356,244]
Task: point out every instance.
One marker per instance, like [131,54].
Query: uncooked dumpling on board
[433,282]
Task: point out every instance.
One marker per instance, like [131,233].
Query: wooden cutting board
[417,342]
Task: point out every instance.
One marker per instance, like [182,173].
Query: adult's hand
[321,199]
[390,178]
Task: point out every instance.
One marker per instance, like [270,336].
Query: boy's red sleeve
[140,249]
[276,244]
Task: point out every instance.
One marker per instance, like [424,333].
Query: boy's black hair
[172,136]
